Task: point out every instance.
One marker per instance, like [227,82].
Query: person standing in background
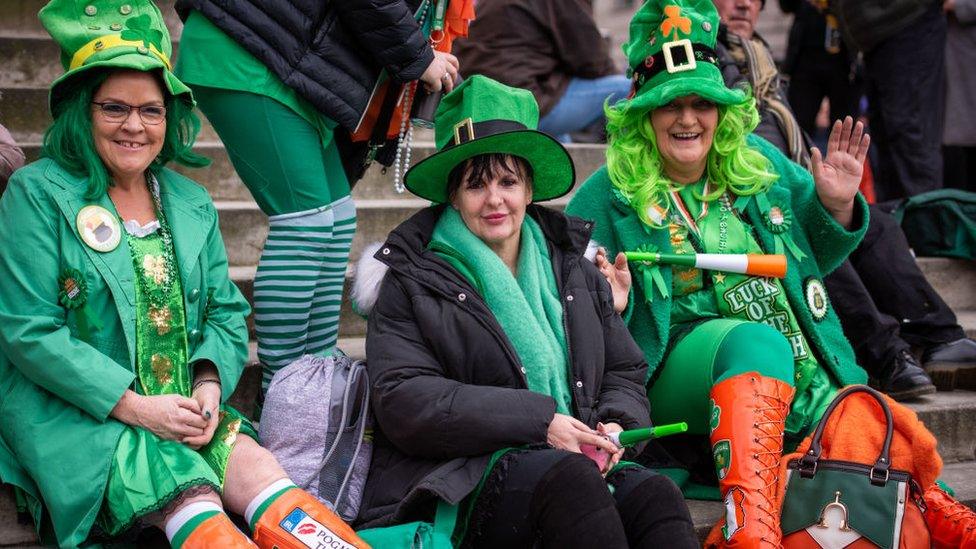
[277,80]
[551,48]
[819,65]
[903,42]
[959,139]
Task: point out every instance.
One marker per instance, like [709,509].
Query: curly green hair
[636,168]
[68,140]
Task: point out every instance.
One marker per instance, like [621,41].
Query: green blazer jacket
[57,389]
[825,243]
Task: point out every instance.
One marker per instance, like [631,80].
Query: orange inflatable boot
[296,520]
[217,531]
[951,524]
[748,417]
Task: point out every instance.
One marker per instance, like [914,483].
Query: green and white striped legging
[295,175]
[298,285]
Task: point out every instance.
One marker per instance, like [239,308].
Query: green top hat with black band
[672,54]
[482,116]
[120,34]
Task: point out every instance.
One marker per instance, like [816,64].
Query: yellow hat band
[110,41]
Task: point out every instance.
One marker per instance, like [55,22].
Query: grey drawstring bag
[316,422]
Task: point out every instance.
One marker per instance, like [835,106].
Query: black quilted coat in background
[329,51]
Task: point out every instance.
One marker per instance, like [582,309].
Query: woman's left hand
[838,175]
[606,429]
[208,396]
[618,275]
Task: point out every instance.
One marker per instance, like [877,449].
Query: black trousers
[554,498]
[905,78]
[819,74]
[884,302]
[960,167]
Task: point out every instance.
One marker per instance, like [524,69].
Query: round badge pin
[816,296]
[98,228]
[776,216]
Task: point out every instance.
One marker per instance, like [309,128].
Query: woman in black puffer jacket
[275,79]
[494,352]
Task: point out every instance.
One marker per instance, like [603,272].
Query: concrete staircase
[28,63]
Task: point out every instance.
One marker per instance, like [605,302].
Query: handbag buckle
[878,481]
[843,509]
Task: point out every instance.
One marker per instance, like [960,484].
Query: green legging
[295,175]
[713,351]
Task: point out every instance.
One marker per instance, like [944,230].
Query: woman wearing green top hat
[123,335]
[494,353]
[743,359]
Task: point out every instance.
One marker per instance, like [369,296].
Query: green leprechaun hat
[123,34]
[672,54]
[482,116]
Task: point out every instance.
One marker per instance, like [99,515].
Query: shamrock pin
[140,29]
[716,416]
[675,22]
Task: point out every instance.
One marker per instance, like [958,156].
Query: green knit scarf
[527,306]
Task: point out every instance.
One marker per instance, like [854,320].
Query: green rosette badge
[73,295]
[73,289]
[778,220]
[651,274]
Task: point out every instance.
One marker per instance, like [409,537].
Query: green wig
[68,141]
[636,168]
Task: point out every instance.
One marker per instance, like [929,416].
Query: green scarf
[527,306]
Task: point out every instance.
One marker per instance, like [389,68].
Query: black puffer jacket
[447,384]
[329,51]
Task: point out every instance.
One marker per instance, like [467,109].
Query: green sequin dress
[147,472]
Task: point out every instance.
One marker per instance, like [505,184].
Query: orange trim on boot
[748,417]
[296,520]
[951,524]
[217,531]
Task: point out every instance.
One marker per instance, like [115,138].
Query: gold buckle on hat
[688,65]
[466,123]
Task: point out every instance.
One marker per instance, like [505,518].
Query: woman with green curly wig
[748,361]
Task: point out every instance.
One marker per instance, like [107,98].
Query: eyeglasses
[119,112]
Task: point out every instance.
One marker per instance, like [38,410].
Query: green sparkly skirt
[147,472]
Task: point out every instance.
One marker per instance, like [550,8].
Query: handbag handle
[879,473]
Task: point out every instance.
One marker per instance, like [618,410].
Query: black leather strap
[655,64]
[467,132]
[879,474]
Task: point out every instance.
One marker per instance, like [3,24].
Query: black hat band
[466,130]
[673,57]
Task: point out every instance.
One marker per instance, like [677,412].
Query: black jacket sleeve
[387,30]
[623,399]
[426,414]
[581,48]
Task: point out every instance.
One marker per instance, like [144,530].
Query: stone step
[955,280]
[960,476]
[353,325]
[224,184]
[245,227]
[24,110]
[18,18]
[948,415]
